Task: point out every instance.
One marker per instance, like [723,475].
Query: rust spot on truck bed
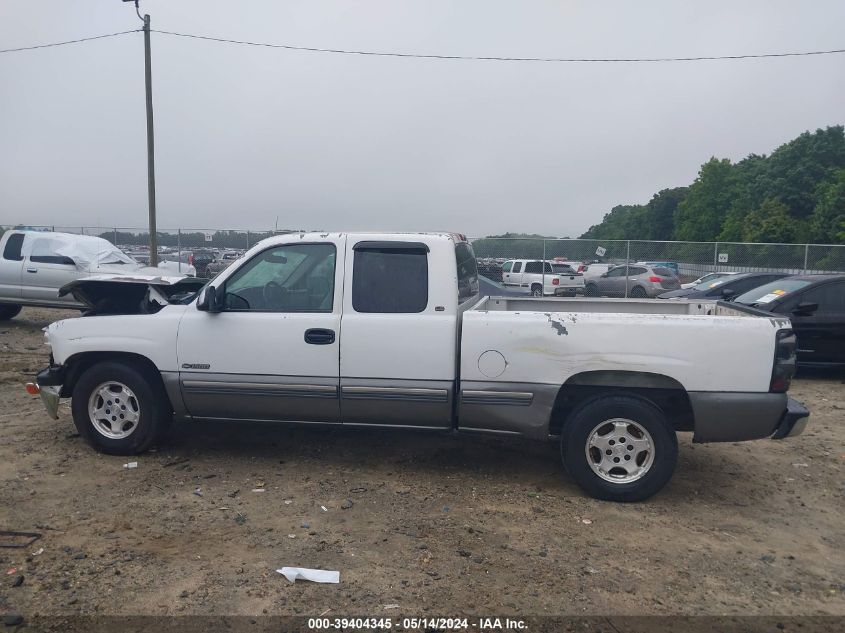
[558,327]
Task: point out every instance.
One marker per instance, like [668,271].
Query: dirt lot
[439,525]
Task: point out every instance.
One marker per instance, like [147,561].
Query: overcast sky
[246,134]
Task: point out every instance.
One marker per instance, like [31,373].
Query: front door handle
[32,270]
[319,336]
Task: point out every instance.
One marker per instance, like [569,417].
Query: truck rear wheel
[619,448]
[9,311]
[119,409]
[536,290]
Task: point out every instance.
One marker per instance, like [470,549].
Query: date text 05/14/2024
[480,624]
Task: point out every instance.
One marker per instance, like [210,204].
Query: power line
[499,58]
[84,39]
[495,58]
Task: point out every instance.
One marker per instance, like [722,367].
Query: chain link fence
[687,260]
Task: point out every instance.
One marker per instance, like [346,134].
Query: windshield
[707,285]
[771,291]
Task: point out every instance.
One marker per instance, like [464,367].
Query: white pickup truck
[388,330]
[34,265]
[542,278]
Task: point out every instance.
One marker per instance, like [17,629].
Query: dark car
[724,288]
[200,260]
[815,304]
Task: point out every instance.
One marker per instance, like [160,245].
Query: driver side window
[289,278]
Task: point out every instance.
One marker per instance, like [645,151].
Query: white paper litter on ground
[314,575]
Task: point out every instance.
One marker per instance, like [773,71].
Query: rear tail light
[784,365]
[555,281]
[654,279]
[581,269]
[191,259]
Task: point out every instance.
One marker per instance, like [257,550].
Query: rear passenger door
[11,267]
[398,334]
[612,283]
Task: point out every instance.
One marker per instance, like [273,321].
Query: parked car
[725,287]
[540,279]
[200,259]
[642,281]
[815,304]
[490,268]
[705,279]
[35,264]
[314,328]
[221,263]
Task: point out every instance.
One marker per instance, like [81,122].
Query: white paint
[703,346]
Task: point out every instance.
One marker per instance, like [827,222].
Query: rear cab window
[390,277]
[467,272]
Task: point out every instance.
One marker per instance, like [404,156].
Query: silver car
[642,281]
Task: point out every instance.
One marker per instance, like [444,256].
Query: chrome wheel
[114,410]
[620,450]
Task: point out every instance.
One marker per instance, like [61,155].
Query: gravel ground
[438,525]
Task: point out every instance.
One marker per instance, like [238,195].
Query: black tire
[587,417]
[638,292]
[154,411]
[591,290]
[9,311]
[536,290]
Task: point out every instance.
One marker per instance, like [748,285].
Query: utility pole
[151,177]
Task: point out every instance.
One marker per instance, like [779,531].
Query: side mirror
[728,294]
[805,309]
[209,300]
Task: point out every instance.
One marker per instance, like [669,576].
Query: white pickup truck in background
[34,265]
[539,278]
[388,330]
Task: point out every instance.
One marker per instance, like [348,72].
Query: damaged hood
[130,293]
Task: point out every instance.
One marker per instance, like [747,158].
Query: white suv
[553,279]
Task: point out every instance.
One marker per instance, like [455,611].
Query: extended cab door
[399,344]
[11,267]
[45,270]
[272,353]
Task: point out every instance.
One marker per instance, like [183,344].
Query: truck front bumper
[50,381]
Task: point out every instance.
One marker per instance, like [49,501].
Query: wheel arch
[663,391]
[78,364]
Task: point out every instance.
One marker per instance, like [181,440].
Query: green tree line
[796,194]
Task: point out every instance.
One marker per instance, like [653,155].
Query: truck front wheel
[9,311]
[119,409]
[619,448]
